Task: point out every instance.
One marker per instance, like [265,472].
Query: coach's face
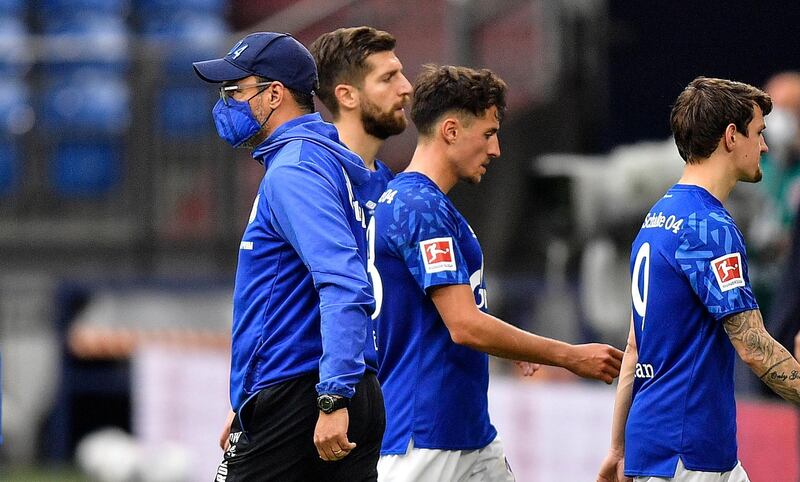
[475,145]
[384,95]
[747,160]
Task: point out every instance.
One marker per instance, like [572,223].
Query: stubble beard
[256,139]
[381,124]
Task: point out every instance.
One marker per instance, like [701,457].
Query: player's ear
[346,96]
[730,136]
[449,128]
[274,94]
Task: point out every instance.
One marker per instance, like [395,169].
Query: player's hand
[528,368]
[595,360]
[613,468]
[330,435]
[224,437]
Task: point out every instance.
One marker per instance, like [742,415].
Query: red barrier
[768,441]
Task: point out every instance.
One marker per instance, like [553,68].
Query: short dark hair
[304,101]
[704,110]
[442,89]
[341,59]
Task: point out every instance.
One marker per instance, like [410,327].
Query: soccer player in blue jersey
[303,380]
[361,82]
[434,330]
[693,308]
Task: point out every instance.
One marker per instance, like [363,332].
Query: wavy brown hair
[440,89]
[704,110]
[341,58]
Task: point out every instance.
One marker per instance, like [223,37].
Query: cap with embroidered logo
[274,56]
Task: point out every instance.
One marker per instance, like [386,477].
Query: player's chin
[474,179]
[753,177]
[399,115]
[397,124]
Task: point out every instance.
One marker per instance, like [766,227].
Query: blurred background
[121,211]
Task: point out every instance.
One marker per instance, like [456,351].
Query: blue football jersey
[688,272]
[435,390]
[302,299]
[369,193]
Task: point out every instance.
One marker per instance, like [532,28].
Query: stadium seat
[161,7]
[185,37]
[16,113]
[88,102]
[185,111]
[116,7]
[81,38]
[12,7]
[16,54]
[9,168]
[85,169]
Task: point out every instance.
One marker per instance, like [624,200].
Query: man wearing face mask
[303,388]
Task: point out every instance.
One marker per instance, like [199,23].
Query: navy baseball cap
[275,56]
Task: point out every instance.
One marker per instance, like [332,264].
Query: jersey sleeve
[711,254]
[317,228]
[424,233]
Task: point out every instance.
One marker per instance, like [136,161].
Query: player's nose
[494,147]
[405,87]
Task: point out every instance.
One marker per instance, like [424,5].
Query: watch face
[325,403]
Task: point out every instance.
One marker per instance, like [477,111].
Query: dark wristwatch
[331,403]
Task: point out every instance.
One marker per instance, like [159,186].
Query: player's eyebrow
[391,72]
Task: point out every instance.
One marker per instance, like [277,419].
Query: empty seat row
[67,74]
[75,169]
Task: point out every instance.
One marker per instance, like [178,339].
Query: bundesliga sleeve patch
[728,271]
[437,254]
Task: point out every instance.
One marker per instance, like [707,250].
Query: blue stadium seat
[186,37]
[50,7]
[185,111]
[85,169]
[16,52]
[12,7]
[16,113]
[87,103]
[160,7]
[85,39]
[9,168]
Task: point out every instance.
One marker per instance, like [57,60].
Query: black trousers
[272,436]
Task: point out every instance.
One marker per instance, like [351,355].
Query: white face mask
[781,135]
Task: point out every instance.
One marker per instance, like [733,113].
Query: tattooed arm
[766,357]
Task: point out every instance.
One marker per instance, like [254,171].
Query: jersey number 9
[641,269]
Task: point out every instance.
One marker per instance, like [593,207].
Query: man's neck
[353,135]
[712,175]
[430,159]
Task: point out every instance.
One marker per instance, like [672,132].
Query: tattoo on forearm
[777,368]
[769,370]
